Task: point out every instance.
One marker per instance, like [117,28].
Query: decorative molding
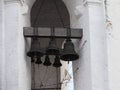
[24,9]
[11,1]
[92,2]
[79,10]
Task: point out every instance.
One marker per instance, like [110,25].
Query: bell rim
[76,57]
[56,52]
[46,64]
[57,66]
[38,62]
[31,53]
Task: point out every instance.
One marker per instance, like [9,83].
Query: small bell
[35,50]
[38,61]
[32,60]
[47,61]
[52,48]
[57,62]
[68,53]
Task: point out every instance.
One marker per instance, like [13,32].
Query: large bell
[47,61]
[35,50]
[52,48]
[68,53]
[57,62]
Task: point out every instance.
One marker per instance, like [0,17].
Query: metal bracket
[45,32]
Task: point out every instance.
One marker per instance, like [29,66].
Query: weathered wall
[90,71]
[113,31]
[24,45]
[17,69]
[14,69]
[2,63]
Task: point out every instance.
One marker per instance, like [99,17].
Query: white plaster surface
[90,71]
[17,68]
[98,48]
[113,31]
[2,63]
[11,46]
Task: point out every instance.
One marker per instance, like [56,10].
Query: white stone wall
[91,70]
[113,31]
[2,62]
[15,71]
[11,47]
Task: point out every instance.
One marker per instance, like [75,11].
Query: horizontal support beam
[44,32]
[48,89]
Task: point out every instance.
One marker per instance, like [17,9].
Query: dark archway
[49,13]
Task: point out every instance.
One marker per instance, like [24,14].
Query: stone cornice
[11,1]
[92,1]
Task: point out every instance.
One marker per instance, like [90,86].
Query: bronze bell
[32,60]
[47,61]
[38,61]
[57,62]
[52,48]
[68,53]
[35,50]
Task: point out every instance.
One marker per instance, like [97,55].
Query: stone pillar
[91,70]
[17,67]
[98,46]
[113,30]
[2,79]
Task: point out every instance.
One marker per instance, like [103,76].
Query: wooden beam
[47,89]
[44,32]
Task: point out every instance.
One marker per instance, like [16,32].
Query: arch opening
[49,13]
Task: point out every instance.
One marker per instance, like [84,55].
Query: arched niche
[49,13]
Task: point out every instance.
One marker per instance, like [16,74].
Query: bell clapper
[68,62]
[47,61]
[32,60]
